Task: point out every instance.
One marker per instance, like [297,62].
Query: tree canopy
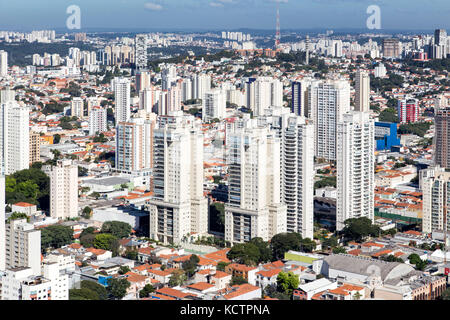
[116,228]
[56,236]
[358,229]
[117,288]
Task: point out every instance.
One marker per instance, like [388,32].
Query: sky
[224,14]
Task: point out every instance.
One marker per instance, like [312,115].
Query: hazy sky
[225,14]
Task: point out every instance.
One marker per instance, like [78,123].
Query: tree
[117,228]
[132,255]
[237,280]
[419,263]
[95,287]
[177,278]
[87,211]
[445,295]
[272,292]
[307,245]
[56,139]
[287,282]
[145,292]
[191,265]
[124,269]
[358,229]
[283,242]
[83,294]
[265,253]
[338,250]
[117,288]
[105,241]
[221,266]
[55,236]
[246,253]
[17,216]
[87,240]
[357,296]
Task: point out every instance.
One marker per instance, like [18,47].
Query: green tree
[191,265]
[117,228]
[265,253]
[96,287]
[237,280]
[283,242]
[83,294]
[55,236]
[132,255]
[87,240]
[287,282]
[221,266]
[124,269]
[87,212]
[338,250]
[17,216]
[105,241]
[56,139]
[445,295]
[145,292]
[246,253]
[358,229]
[177,278]
[117,288]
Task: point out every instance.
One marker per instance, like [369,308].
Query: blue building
[386,135]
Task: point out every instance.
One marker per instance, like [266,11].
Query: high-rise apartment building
[148,99]
[178,207]
[35,147]
[64,190]
[141,52]
[263,93]
[355,167]
[201,83]
[2,220]
[143,81]
[435,183]
[408,110]
[121,88]
[391,48]
[15,133]
[3,63]
[441,138]
[296,135]
[97,121]
[254,207]
[362,88]
[77,108]
[134,141]
[22,246]
[327,102]
[214,105]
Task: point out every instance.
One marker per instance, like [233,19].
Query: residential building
[23,246]
[255,207]
[201,83]
[178,206]
[35,147]
[442,134]
[214,105]
[355,167]
[408,110]
[121,88]
[391,48]
[64,190]
[262,93]
[435,183]
[97,121]
[77,108]
[327,102]
[362,87]
[3,63]
[296,134]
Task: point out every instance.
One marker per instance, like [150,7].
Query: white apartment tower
[14,134]
[23,246]
[2,221]
[201,83]
[178,207]
[214,105]
[134,140]
[64,190]
[355,167]
[121,88]
[362,95]
[148,99]
[97,120]
[296,135]
[263,93]
[327,102]
[435,183]
[3,63]
[77,107]
[255,207]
